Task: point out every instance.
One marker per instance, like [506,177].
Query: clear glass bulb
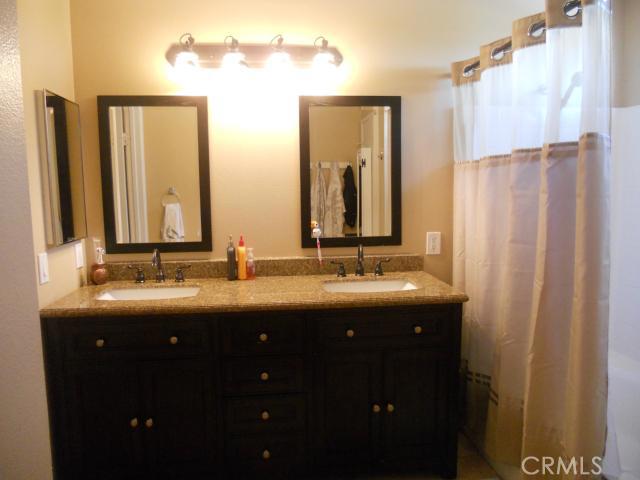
[187,61]
[234,60]
[279,61]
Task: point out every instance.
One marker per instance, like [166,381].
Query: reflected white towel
[173,225]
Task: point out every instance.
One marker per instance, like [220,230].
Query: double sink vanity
[280,377]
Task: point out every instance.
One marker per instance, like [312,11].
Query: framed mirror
[350,170]
[61,169]
[154,156]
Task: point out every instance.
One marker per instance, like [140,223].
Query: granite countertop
[303,292]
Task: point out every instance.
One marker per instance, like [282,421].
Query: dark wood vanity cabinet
[248,395]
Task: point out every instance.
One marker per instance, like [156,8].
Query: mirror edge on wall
[395,103]
[200,102]
[46,174]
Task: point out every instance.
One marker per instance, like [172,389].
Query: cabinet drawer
[272,456]
[266,414]
[263,375]
[264,335]
[117,338]
[411,327]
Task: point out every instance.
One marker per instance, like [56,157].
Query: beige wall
[390,48]
[24,434]
[45,49]
[171,157]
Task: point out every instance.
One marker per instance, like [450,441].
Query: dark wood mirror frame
[394,103]
[106,101]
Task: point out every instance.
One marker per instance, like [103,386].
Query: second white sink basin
[161,293]
[369,286]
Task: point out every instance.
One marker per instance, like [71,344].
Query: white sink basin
[369,286]
[161,293]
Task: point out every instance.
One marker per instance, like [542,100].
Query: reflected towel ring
[537,29]
[572,9]
[171,192]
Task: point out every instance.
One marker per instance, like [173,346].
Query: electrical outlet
[79,255]
[433,243]
[43,268]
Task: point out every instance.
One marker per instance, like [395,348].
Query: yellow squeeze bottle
[242,260]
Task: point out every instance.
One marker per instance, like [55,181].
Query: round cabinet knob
[376,408]
[173,340]
[100,342]
[264,376]
[265,415]
[390,407]
[133,422]
[148,422]
[417,329]
[266,454]
[263,337]
[350,333]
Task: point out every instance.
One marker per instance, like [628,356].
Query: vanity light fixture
[186,59]
[230,54]
[324,57]
[279,59]
[234,58]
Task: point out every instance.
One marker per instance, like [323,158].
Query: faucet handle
[378,270]
[180,272]
[139,273]
[341,270]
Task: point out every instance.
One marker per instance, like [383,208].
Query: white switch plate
[433,243]
[79,255]
[43,268]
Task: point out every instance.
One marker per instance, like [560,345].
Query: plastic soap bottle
[232,266]
[242,260]
[251,265]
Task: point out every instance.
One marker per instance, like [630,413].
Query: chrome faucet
[156,261]
[360,262]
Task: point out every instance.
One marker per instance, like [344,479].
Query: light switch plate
[433,243]
[43,268]
[79,255]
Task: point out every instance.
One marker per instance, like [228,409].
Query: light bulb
[324,61]
[279,60]
[187,61]
[234,60]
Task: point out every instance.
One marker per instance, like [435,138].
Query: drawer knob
[100,342]
[350,333]
[376,408]
[133,422]
[265,415]
[390,407]
[266,454]
[264,376]
[417,329]
[263,337]
[148,422]
[173,340]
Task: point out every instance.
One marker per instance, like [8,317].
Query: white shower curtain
[531,242]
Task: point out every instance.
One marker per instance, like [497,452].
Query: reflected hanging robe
[350,196]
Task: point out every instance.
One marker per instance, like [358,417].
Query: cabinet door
[349,386]
[414,405]
[178,422]
[105,421]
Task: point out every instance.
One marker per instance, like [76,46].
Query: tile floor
[471,466]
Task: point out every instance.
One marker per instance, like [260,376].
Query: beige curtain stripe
[520,34]
[485,54]
[457,69]
[556,17]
